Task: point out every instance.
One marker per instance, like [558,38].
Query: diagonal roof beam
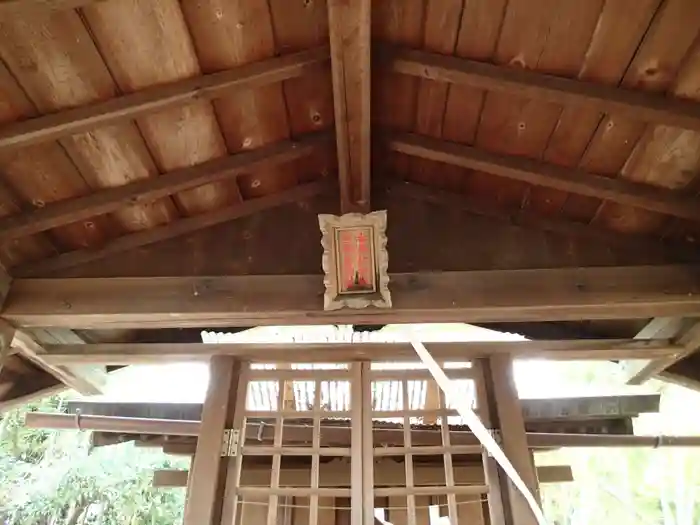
[108,200]
[638,105]
[173,229]
[350,27]
[85,118]
[684,332]
[652,198]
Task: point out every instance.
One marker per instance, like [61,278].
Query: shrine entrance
[275,440]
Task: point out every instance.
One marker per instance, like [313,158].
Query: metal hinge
[229,444]
[496,435]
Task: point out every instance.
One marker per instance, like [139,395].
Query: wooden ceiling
[135,135]
[127,122]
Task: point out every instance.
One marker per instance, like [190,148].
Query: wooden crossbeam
[84,118]
[622,191]
[637,105]
[686,336]
[621,292]
[349,25]
[145,353]
[83,380]
[173,229]
[104,201]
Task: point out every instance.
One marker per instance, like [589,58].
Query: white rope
[477,427]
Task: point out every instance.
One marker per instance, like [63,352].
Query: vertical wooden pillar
[211,498]
[362,463]
[500,410]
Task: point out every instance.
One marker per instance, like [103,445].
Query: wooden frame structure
[163,165]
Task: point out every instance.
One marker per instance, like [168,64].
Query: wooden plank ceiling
[125,123]
[128,123]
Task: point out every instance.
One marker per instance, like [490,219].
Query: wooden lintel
[561,226]
[173,229]
[85,118]
[637,105]
[349,25]
[622,292]
[144,353]
[65,212]
[576,181]
[686,336]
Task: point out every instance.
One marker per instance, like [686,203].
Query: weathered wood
[72,210]
[157,353]
[174,229]
[350,26]
[521,82]
[84,118]
[538,173]
[85,382]
[684,332]
[519,295]
[561,226]
[506,417]
[205,500]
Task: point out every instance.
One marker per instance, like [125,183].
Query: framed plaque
[355,260]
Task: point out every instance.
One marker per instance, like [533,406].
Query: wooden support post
[500,409]
[210,498]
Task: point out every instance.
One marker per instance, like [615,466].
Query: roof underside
[111,109]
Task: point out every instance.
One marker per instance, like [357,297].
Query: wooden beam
[39,7]
[173,229]
[408,190]
[337,474]
[68,211]
[506,418]
[576,181]
[205,499]
[349,25]
[127,107]
[157,353]
[686,335]
[637,105]
[81,380]
[622,292]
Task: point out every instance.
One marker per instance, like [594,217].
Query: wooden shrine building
[168,167]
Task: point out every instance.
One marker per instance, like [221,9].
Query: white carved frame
[332,299]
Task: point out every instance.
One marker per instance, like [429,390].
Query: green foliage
[57,478]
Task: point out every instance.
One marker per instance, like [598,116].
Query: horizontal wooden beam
[622,191]
[409,190]
[476,296]
[173,229]
[84,118]
[638,105]
[386,472]
[140,353]
[105,201]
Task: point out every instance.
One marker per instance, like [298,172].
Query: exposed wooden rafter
[350,28]
[64,212]
[538,173]
[637,105]
[174,229]
[142,353]
[481,296]
[84,118]
[686,336]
